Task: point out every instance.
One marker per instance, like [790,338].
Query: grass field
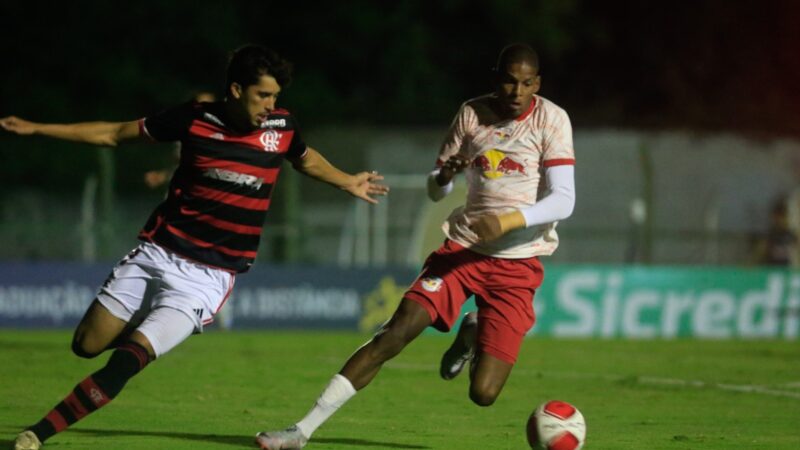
[217,390]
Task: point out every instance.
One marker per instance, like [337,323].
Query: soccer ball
[556,425]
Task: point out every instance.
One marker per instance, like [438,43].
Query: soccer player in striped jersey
[515,149]
[205,232]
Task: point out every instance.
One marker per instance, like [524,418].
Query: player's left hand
[364,186]
[489,227]
[17,125]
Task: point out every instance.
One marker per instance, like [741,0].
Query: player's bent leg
[97,330]
[462,350]
[161,330]
[488,376]
[95,391]
[408,321]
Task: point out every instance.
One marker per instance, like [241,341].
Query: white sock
[338,391]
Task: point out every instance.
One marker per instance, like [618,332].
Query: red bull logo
[495,164]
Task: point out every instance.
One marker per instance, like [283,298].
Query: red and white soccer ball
[556,425]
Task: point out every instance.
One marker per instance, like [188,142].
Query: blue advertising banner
[47,294]
[574,301]
[275,297]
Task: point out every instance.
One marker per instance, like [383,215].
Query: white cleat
[288,439]
[27,440]
[462,350]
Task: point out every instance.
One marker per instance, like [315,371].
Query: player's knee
[483,395]
[85,349]
[387,344]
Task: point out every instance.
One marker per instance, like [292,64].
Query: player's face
[257,101]
[516,86]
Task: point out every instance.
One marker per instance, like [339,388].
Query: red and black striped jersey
[220,193]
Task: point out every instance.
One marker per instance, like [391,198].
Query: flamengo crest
[270,140]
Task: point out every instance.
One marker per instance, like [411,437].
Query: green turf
[217,390]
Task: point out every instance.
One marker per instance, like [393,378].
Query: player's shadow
[345,443]
[232,440]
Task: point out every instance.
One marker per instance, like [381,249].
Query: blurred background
[685,116]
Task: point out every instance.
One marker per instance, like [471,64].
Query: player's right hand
[17,125]
[365,185]
[454,165]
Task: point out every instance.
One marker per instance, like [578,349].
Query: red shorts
[503,290]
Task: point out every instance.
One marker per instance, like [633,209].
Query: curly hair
[248,63]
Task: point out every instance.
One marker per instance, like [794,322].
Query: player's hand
[17,125]
[454,165]
[364,186]
[156,178]
[489,227]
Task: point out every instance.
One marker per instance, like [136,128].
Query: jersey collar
[527,113]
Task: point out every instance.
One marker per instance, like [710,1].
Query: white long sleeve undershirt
[559,203]
[436,192]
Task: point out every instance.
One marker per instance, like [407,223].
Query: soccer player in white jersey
[516,151]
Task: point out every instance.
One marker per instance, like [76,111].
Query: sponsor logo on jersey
[495,164]
[218,136]
[230,176]
[431,284]
[272,123]
[270,140]
[198,312]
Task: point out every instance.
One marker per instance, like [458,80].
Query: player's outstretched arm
[362,185]
[98,133]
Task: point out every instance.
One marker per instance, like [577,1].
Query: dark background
[708,66]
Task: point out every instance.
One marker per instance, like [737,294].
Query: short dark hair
[248,63]
[517,53]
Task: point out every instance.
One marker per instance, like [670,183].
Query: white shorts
[150,278]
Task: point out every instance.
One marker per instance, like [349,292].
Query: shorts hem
[502,356]
[115,307]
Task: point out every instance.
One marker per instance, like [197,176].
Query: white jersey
[508,158]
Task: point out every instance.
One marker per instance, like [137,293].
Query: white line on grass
[697,384]
[748,388]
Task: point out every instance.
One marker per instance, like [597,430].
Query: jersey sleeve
[464,121]
[169,125]
[297,148]
[557,135]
